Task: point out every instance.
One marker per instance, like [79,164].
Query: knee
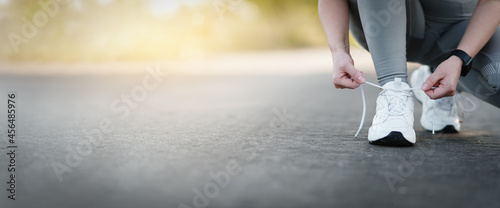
[490,70]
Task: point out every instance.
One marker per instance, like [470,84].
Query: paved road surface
[270,141]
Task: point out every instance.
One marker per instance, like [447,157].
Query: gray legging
[433,30]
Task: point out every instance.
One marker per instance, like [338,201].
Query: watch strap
[466,67]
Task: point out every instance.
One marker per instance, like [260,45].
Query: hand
[444,79]
[344,73]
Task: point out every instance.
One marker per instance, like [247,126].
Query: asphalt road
[231,141]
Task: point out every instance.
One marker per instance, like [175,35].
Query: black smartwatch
[467,66]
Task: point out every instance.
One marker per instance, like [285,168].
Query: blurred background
[103,30]
[130,31]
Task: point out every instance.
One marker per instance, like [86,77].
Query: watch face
[469,61]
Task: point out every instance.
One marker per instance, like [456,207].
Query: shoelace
[456,101]
[396,104]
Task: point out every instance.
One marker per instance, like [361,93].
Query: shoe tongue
[396,84]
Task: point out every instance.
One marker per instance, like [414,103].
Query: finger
[349,83]
[443,90]
[355,74]
[437,93]
[345,82]
[431,81]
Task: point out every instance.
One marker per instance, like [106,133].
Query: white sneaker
[393,121]
[437,115]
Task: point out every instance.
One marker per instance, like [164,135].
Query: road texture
[231,141]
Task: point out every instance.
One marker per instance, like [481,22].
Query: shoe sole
[448,129]
[395,138]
